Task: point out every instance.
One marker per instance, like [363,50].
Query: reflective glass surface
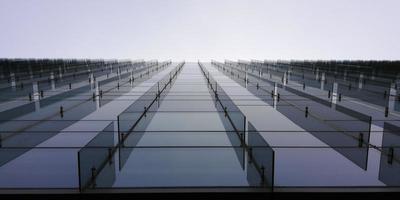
[91,125]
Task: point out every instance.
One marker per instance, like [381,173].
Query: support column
[36,95]
[334,94]
[92,81]
[12,78]
[132,78]
[393,96]
[275,94]
[53,84]
[60,72]
[360,81]
[284,79]
[35,90]
[97,95]
[322,80]
[119,73]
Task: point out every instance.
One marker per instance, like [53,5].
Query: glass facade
[101,125]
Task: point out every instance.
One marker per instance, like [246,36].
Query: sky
[194,30]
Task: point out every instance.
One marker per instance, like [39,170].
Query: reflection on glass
[96,161]
[389,171]
[262,157]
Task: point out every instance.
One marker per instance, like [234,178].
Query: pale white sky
[200,29]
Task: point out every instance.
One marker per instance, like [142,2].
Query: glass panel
[262,156]
[96,160]
[181,167]
[308,96]
[334,133]
[389,171]
[133,125]
[16,112]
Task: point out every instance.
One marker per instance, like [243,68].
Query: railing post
[250,155]
[123,139]
[225,111]
[61,111]
[390,155]
[93,176]
[306,112]
[386,111]
[262,174]
[110,156]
